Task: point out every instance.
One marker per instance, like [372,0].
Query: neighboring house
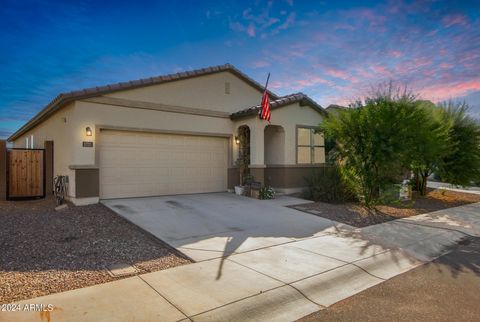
[175,134]
[334,108]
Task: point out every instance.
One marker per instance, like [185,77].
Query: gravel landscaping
[44,251]
[357,215]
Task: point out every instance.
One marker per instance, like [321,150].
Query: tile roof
[279,102]
[64,98]
[335,106]
[166,78]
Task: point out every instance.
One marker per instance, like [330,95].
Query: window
[227,87]
[310,146]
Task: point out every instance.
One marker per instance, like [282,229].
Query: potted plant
[242,164]
[243,160]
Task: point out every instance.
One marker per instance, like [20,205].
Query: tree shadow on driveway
[218,225]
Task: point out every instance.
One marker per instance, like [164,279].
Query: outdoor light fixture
[89,131]
[237,140]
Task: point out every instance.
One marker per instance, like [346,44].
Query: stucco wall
[207,92]
[56,128]
[274,145]
[97,115]
[288,117]
[67,127]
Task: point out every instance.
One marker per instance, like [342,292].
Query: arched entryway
[243,160]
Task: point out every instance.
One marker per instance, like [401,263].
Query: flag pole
[266,84]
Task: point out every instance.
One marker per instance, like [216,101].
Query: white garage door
[135,164]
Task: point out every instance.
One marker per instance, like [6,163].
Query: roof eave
[309,102]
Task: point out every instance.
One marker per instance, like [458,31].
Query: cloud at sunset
[333,52]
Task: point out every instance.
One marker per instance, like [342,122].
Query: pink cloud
[455,19]
[337,73]
[377,22]
[421,62]
[362,72]
[251,30]
[260,64]
[381,70]
[396,53]
[469,56]
[300,84]
[447,91]
[445,65]
[429,72]
[311,81]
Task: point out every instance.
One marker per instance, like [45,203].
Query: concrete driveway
[281,265]
[207,226]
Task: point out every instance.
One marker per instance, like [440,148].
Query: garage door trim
[153,131]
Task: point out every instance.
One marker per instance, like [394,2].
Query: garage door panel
[144,164]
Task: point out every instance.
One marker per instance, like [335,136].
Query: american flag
[265,105]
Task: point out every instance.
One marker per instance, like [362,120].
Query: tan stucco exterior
[205,92]
[288,117]
[164,114]
[56,128]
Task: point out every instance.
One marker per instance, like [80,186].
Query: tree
[431,144]
[390,133]
[461,165]
[373,141]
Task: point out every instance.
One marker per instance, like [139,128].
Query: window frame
[312,145]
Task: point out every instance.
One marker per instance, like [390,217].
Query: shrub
[247,179]
[372,143]
[327,185]
[461,165]
[266,192]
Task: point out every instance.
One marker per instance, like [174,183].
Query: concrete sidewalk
[443,290]
[275,283]
[447,186]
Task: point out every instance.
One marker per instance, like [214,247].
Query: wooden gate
[26,173]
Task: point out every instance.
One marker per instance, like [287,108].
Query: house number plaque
[87,144]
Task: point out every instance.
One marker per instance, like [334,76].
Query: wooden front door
[26,173]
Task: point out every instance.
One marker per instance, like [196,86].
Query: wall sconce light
[89,131]
[237,140]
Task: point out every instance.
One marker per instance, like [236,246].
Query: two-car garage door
[137,164]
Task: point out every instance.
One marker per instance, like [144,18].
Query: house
[175,134]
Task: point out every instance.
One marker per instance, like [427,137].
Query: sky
[333,51]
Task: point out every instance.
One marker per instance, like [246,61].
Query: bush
[266,192]
[373,143]
[326,185]
[461,165]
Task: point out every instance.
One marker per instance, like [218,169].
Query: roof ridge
[154,79]
[299,97]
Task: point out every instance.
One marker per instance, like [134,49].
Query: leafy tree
[431,144]
[373,141]
[391,133]
[461,165]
